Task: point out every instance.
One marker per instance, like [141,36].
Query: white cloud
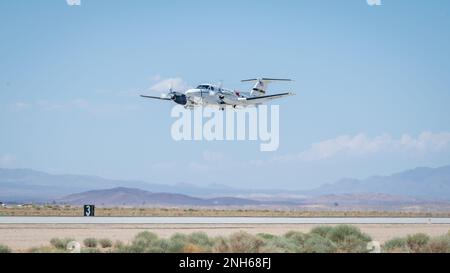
[362,145]
[7,161]
[19,106]
[355,145]
[374,2]
[426,142]
[155,78]
[73,2]
[163,85]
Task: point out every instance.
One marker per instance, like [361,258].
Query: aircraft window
[212,88]
[203,87]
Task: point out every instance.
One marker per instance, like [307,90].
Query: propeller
[177,97]
[170,94]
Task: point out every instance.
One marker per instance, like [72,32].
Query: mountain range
[136,197]
[25,185]
[428,183]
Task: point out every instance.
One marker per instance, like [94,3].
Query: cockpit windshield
[203,86]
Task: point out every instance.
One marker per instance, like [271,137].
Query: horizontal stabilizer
[274,96]
[266,79]
[262,99]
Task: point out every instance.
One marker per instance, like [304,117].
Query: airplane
[215,96]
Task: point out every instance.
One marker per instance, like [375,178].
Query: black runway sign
[89,210]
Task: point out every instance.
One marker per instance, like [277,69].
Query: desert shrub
[90,242]
[90,250]
[158,246]
[438,245]
[126,249]
[60,243]
[417,242]
[46,249]
[315,243]
[200,239]
[161,246]
[143,241]
[133,248]
[40,250]
[322,230]
[191,248]
[179,237]
[279,245]
[57,243]
[349,239]
[221,245]
[105,243]
[295,235]
[177,242]
[118,244]
[297,238]
[266,236]
[341,232]
[352,244]
[145,236]
[396,245]
[146,242]
[242,242]
[5,249]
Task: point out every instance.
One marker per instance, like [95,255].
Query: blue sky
[371,81]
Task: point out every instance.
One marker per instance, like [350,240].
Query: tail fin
[261,84]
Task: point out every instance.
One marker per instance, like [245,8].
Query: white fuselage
[211,95]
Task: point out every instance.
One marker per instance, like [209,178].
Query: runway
[219,220]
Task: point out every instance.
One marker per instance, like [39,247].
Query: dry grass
[337,239]
[56,210]
[327,239]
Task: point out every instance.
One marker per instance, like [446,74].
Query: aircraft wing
[153,97]
[262,99]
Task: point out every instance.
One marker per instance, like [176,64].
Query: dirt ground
[21,237]
[58,210]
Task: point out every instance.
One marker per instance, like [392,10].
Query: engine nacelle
[180,99]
